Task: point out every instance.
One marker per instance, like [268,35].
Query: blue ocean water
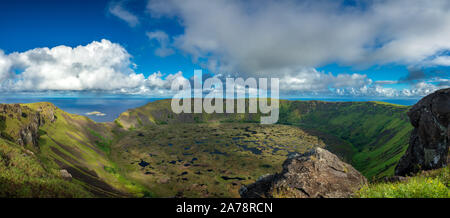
[112,107]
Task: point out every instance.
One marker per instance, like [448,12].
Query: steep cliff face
[68,142]
[23,124]
[314,174]
[20,123]
[428,145]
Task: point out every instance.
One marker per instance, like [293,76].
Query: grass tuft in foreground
[431,184]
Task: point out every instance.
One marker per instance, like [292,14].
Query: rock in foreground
[428,145]
[314,174]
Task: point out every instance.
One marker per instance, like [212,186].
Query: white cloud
[311,80]
[164,43]
[441,61]
[5,66]
[157,85]
[288,39]
[107,67]
[368,91]
[156,80]
[420,89]
[97,66]
[416,90]
[254,36]
[116,9]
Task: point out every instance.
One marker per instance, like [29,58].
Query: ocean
[111,107]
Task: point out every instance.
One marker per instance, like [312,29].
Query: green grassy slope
[378,131]
[160,112]
[23,175]
[81,146]
[372,136]
[68,141]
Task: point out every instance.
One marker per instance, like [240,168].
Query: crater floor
[210,160]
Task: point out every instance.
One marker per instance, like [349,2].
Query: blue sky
[33,24]
[316,48]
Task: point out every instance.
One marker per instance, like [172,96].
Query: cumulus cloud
[104,66]
[5,65]
[310,80]
[97,66]
[418,89]
[288,39]
[117,9]
[156,80]
[254,36]
[164,43]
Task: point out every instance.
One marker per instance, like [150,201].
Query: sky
[320,49]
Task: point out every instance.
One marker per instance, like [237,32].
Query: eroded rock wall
[429,141]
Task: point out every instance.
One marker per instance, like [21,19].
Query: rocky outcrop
[23,125]
[29,134]
[65,174]
[314,174]
[47,112]
[429,141]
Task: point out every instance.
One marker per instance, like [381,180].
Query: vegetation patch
[22,175]
[375,133]
[434,184]
[102,142]
[206,160]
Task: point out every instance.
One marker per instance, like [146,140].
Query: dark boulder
[428,144]
[314,174]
